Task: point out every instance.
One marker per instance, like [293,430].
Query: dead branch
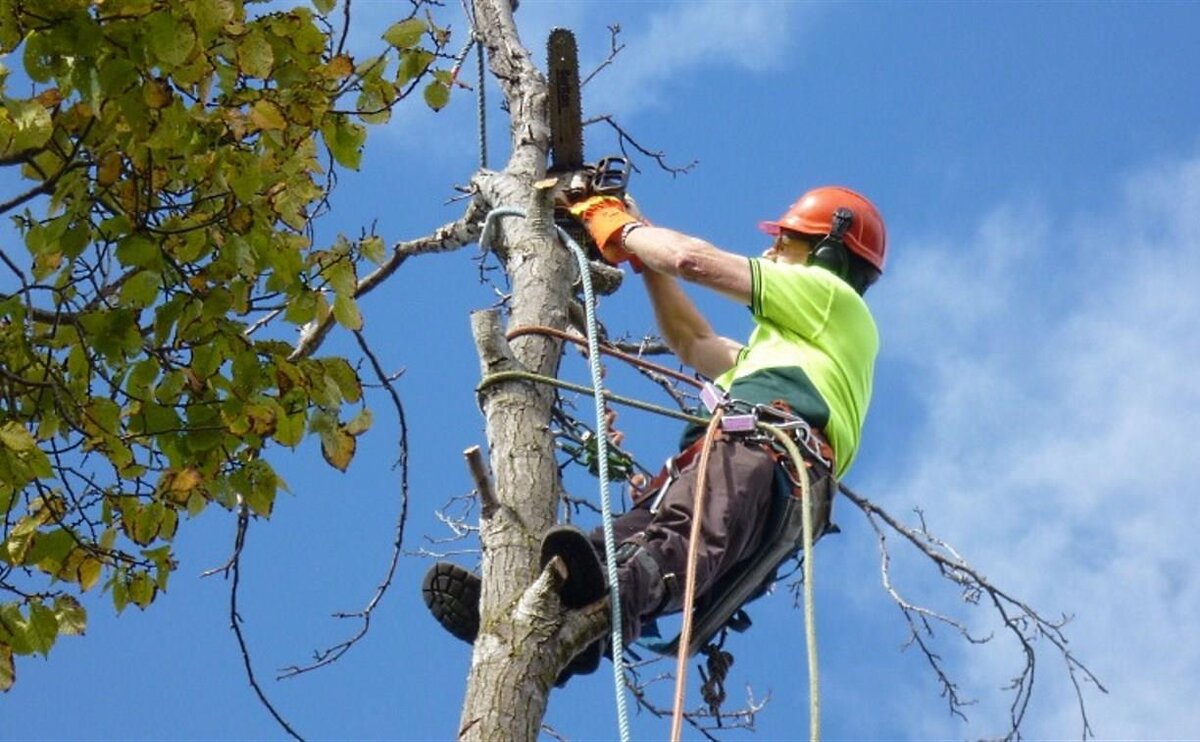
[1019,620]
[483,480]
[614,48]
[624,138]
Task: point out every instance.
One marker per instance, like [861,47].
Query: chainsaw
[608,176]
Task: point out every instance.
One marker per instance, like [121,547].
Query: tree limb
[448,237]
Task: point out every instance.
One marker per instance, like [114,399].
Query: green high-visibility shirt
[813,346]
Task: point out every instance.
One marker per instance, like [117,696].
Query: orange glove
[604,217]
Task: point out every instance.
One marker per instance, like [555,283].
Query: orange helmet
[814,214]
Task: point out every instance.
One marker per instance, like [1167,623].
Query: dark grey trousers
[735,510]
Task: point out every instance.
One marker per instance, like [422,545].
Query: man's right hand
[604,217]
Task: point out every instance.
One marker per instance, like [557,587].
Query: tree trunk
[521,645]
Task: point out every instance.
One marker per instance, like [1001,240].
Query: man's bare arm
[668,254]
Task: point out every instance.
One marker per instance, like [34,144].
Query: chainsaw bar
[566,112]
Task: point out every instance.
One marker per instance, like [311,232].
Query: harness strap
[809,438]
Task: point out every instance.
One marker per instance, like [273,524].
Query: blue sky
[1038,165]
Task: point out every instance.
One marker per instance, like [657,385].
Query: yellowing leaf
[8,672]
[338,447]
[72,616]
[89,573]
[109,169]
[183,480]
[15,437]
[267,116]
[157,93]
[340,67]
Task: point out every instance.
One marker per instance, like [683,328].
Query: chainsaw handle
[611,176]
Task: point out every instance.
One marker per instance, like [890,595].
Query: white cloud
[1055,362]
[687,37]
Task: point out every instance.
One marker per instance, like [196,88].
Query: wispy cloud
[1055,360]
[684,38]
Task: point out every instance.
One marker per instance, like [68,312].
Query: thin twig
[614,30]
[233,567]
[624,137]
[332,654]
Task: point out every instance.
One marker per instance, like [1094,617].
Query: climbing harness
[748,581]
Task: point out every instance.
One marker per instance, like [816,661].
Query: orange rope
[689,590]
[605,349]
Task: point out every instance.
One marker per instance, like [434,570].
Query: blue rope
[610,546]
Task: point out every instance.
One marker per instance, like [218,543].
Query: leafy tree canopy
[166,161]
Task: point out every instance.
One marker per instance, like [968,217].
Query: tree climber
[811,353]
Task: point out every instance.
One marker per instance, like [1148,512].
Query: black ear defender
[831,253]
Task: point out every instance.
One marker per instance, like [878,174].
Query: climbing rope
[689,589]
[610,546]
[636,404]
[810,625]
[689,596]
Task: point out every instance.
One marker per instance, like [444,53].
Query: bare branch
[444,239]
[1019,620]
[614,30]
[328,656]
[233,568]
[623,137]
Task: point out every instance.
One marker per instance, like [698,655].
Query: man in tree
[811,354]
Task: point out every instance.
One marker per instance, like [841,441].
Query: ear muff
[831,252]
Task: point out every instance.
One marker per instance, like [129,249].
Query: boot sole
[452,595]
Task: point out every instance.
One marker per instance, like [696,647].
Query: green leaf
[437,95]
[343,375]
[405,34]
[345,311]
[137,251]
[344,139]
[50,549]
[141,289]
[255,56]
[42,628]
[289,429]
[324,7]
[170,38]
[33,125]
[142,590]
[413,63]
[373,249]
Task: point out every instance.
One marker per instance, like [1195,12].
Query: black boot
[452,595]
[585,582]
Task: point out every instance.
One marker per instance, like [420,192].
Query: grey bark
[524,639]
